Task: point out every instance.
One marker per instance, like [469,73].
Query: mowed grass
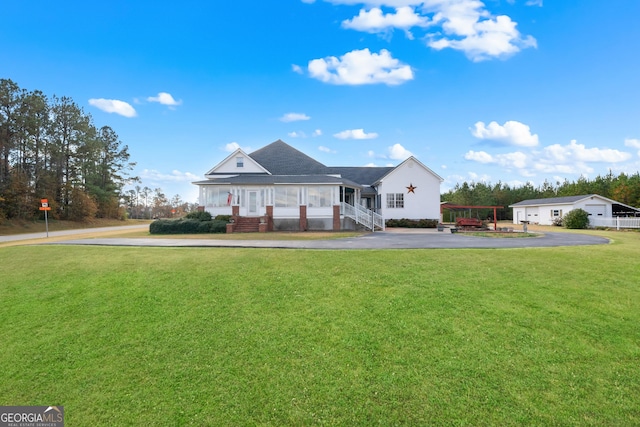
[215,336]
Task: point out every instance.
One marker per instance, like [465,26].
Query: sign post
[44,206]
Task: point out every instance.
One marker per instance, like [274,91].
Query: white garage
[545,211]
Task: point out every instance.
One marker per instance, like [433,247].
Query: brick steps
[247,225]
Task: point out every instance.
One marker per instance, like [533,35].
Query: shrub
[576,219]
[82,207]
[412,223]
[557,221]
[187,226]
[225,218]
[199,216]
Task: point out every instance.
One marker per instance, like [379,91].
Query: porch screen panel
[319,197]
[286,197]
[218,197]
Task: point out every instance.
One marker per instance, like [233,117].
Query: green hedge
[199,215]
[187,226]
[412,223]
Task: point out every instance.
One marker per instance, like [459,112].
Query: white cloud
[478,39]
[464,25]
[294,117]
[632,142]
[398,152]
[113,106]
[573,158]
[479,156]
[378,3]
[174,176]
[515,160]
[317,132]
[297,135]
[578,152]
[326,149]
[475,177]
[511,133]
[231,147]
[297,69]
[375,21]
[164,98]
[355,134]
[360,67]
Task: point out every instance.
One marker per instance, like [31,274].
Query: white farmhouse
[282,188]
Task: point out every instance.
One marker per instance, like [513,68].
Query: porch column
[269,217]
[336,217]
[303,218]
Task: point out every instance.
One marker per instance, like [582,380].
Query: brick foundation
[269,218]
[336,217]
[303,218]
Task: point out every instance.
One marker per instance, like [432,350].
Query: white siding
[423,202]
[543,214]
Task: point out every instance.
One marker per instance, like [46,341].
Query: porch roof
[262,179]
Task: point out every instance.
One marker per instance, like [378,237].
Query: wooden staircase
[247,224]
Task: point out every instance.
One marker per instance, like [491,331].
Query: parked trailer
[469,223]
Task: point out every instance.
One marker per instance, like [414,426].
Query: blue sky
[497,90]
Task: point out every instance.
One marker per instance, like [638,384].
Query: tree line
[145,203]
[622,188]
[51,149]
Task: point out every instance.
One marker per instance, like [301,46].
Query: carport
[461,211]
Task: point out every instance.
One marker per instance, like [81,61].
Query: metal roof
[555,200]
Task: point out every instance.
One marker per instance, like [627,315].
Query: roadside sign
[44,206]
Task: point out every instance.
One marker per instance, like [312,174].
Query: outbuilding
[545,211]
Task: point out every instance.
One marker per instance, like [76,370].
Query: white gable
[420,189]
[236,163]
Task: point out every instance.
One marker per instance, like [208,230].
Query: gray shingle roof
[262,179]
[552,200]
[279,158]
[362,175]
[290,166]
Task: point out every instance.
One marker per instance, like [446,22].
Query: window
[395,200]
[556,212]
[239,162]
[319,197]
[286,197]
[218,197]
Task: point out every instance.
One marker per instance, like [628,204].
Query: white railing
[364,216]
[615,222]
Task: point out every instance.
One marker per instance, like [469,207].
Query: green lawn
[214,336]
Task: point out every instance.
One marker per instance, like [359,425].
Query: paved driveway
[419,239]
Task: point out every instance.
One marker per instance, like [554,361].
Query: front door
[252,208]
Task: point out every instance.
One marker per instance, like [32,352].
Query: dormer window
[239,162]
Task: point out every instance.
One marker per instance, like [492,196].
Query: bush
[225,218]
[199,216]
[576,219]
[412,223]
[557,221]
[187,226]
[83,207]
